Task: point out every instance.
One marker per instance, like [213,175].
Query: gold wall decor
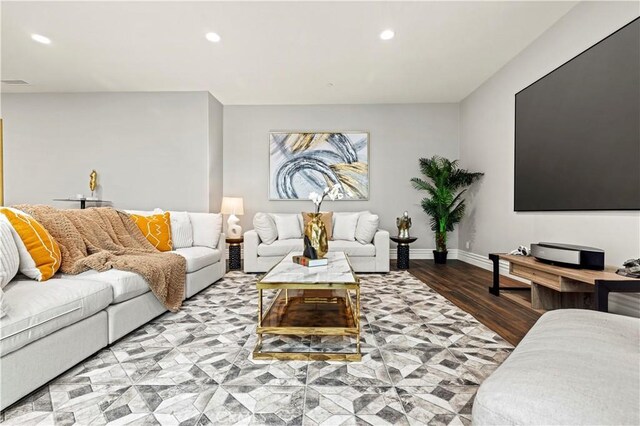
[93,181]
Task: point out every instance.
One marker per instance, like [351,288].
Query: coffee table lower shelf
[310,312]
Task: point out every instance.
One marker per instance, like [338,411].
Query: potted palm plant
[445,183]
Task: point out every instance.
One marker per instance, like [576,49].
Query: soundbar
[569,255]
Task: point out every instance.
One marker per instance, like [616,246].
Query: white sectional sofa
[51,326]
[574,367]
[260,256]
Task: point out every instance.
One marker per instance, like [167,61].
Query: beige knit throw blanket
[105,238]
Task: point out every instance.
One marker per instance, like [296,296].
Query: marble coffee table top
[337,271]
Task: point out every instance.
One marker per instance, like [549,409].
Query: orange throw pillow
[39,253]
[156,229]
[326,218]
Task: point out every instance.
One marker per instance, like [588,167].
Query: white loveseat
[371,256]
[51,326]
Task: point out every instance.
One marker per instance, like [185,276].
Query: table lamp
[233,206]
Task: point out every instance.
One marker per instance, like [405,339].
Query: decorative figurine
[93,181]
[403,223]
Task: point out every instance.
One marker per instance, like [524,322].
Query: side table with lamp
[233,206]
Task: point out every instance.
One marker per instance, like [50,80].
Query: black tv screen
[577,131]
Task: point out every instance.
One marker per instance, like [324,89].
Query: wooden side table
[403,250]
[235,245]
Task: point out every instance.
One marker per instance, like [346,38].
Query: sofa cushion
[207,228]
[574,367]
[280,247]
[156,229]
[37,309]
[353,248]
[265,227]
[181,230]
[39,252]
[199,257]
[125,285]
[344,226]
[9,257]
[289,226]
[367,227]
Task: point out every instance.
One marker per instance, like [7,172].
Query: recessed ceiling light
[387,34]
[41,39]
[213,37]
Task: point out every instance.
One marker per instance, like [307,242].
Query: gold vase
[315,241]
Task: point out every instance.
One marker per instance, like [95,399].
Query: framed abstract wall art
[305,162]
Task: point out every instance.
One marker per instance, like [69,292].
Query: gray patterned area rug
[423,359]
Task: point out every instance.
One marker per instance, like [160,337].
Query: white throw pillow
[265,227]
[288,226]
[181,230]
[367,227]
[344,226]
[9,257]
[207,228]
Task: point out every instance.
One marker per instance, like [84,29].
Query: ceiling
[271,52]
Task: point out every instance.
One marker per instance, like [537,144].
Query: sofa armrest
[222,246]
[381,242]
[251,242]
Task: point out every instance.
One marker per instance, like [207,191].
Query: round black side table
[403,250]
[234,252]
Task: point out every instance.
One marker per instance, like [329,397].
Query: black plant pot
[440,257]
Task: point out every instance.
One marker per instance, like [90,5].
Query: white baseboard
[474,259]
[423,253]
[485,263]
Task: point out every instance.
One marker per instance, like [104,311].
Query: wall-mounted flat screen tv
[577,131]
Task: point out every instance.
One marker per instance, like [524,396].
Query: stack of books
[305,261]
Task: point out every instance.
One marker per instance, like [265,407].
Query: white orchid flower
[316,198]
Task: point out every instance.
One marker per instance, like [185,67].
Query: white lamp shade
[232,205]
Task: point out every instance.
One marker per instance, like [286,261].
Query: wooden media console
[555,287]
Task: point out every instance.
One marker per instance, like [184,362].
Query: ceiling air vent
[14,82]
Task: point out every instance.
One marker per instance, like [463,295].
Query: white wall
[487,144]
[149,149]
[399,135]
[216,111]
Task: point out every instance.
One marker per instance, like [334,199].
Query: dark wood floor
[467,287]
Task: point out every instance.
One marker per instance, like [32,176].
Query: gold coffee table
[310,301]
